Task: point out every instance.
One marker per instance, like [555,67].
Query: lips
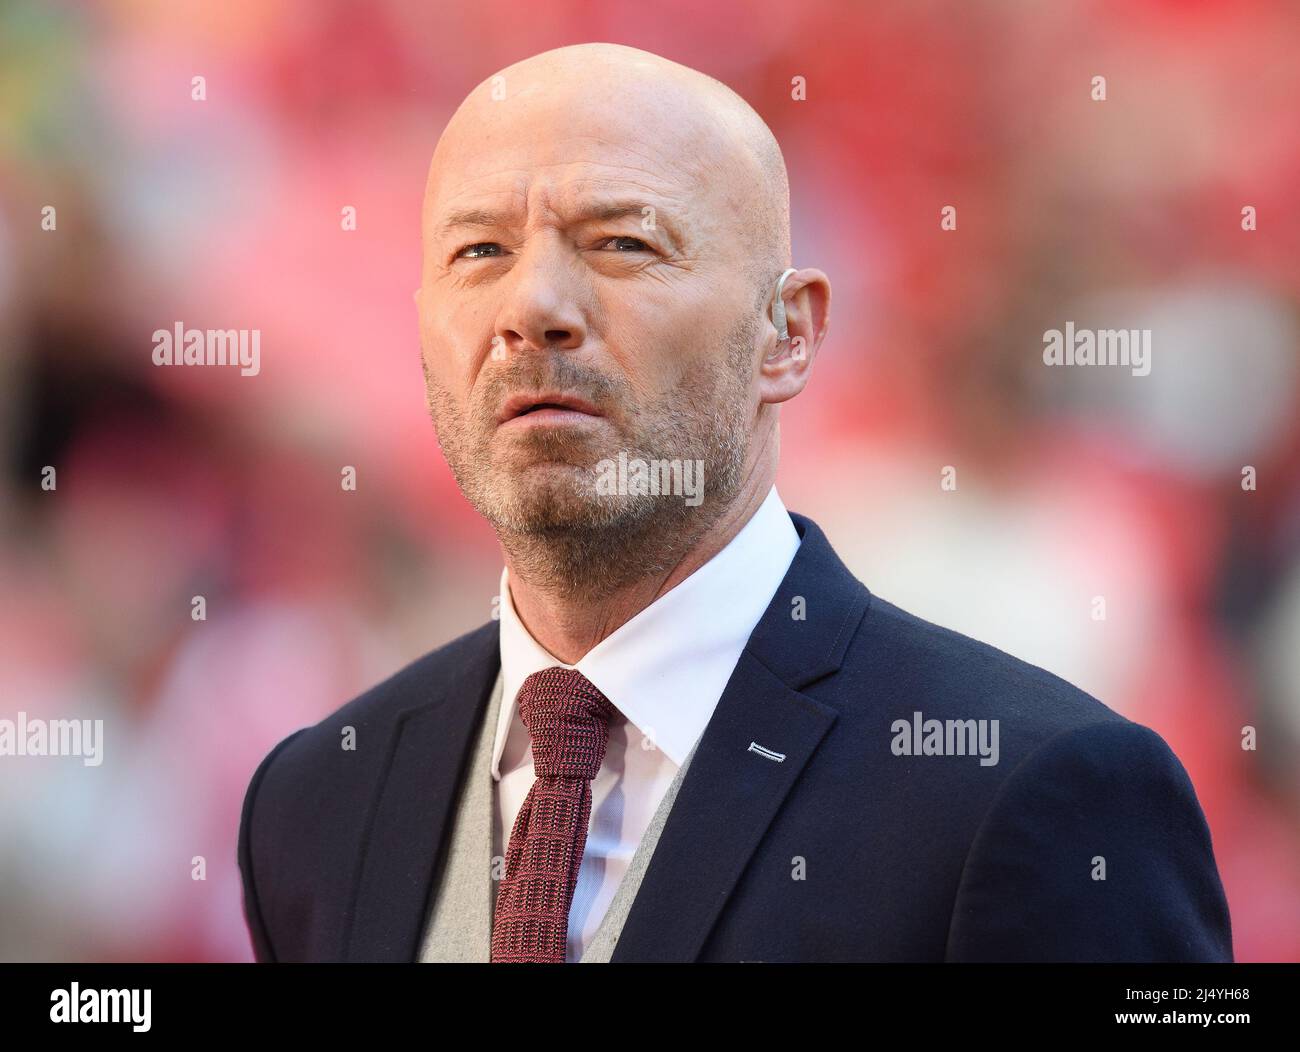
[526,404]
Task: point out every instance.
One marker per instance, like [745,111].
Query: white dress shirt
[664,671]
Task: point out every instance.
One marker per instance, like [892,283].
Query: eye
[469,251]
[638,244]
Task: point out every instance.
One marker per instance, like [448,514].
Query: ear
[787,364]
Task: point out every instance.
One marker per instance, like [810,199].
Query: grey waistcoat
[459,926]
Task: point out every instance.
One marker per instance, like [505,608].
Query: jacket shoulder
[1095,848]
[948,669]
[300,821]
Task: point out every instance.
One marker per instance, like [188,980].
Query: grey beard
[590,561]
[591,564]
[587,547]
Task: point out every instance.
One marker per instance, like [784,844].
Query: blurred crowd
[224,211]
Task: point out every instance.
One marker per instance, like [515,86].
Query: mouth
[546,407]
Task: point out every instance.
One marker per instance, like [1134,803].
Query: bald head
[664,122]
[603,230]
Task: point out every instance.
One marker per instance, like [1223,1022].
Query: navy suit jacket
[842,851]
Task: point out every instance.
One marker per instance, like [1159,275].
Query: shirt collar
[666,668]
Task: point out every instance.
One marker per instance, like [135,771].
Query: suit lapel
[419,783]
[727,800]
[731,792]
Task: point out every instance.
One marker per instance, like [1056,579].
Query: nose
[542,306]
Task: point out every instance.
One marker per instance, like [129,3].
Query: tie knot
[568,723]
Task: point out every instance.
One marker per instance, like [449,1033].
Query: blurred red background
[226,212]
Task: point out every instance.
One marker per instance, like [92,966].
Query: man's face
[586,257]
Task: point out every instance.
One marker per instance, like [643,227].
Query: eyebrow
[595,211]
[469,217]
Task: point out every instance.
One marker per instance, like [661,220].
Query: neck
[569,623]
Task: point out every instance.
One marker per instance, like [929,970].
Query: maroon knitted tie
[568,723]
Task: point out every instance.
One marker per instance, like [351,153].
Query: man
[693,735]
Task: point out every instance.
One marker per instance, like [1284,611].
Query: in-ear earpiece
[778,308]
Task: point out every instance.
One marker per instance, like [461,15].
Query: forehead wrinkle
[662,179]
[674,154]
[572,202]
